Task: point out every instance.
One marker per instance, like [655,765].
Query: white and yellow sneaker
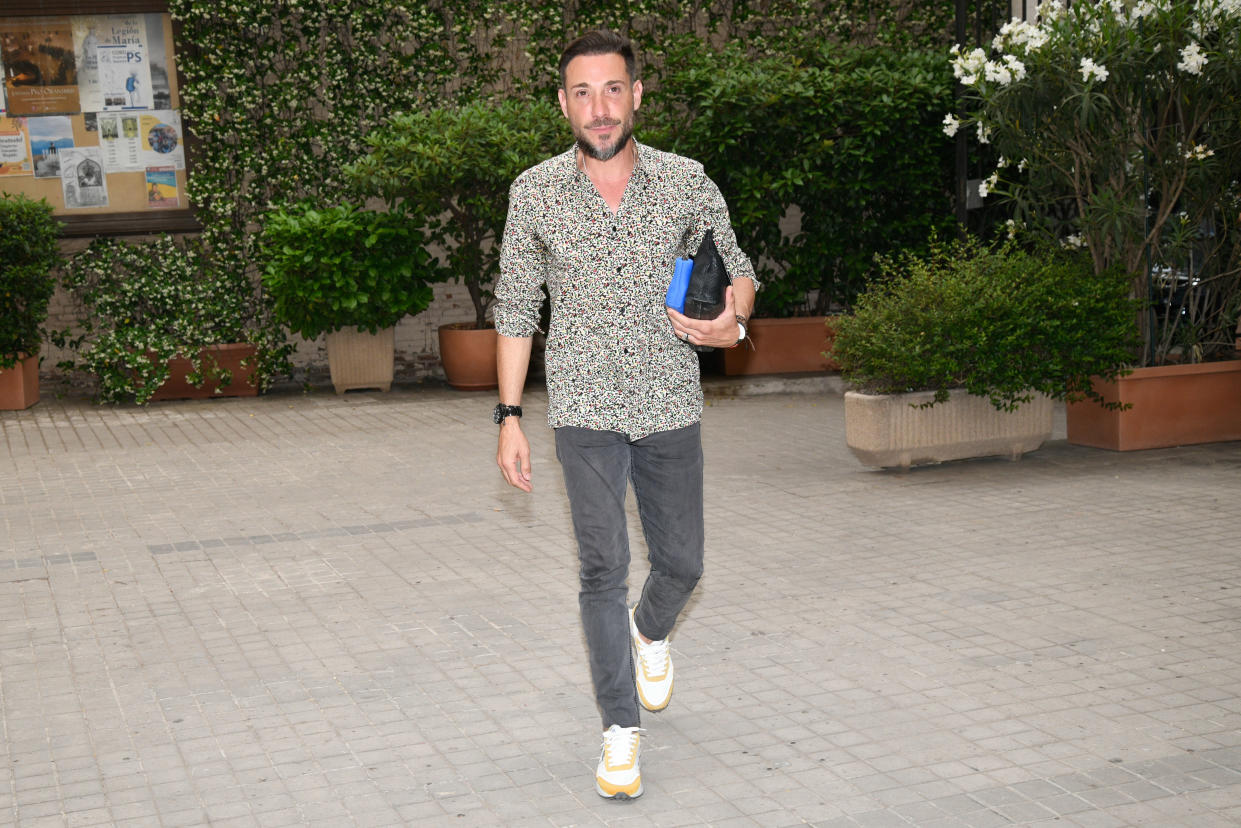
[618,776]
[652,669]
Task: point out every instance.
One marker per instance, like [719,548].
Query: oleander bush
[1117,127]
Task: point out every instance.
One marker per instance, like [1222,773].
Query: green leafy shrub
[456,164]
[145,303]
[28,255]
[340,267]
[1000,322]
[846,136]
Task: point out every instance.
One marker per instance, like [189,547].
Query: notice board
[90,118]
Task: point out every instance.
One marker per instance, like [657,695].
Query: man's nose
[598,106]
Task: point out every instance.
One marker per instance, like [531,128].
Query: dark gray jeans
[666,471]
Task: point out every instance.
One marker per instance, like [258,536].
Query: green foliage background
[280,95]
[846,137]
[28,256]
[339,267]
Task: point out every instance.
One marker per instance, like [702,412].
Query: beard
[608,152]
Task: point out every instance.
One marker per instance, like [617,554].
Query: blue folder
[679,285]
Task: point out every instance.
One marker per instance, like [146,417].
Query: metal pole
[962,159]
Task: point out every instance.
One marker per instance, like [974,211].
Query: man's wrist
[503,412]
[741,330]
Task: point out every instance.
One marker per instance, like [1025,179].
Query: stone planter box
[1173,405]
[357,359]
[888,430]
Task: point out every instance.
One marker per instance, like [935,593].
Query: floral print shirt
[612,360]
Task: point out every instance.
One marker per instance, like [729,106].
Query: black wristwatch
[504,411]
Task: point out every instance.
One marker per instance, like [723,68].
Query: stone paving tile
[316,610]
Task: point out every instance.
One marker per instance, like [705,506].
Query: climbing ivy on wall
[279,94]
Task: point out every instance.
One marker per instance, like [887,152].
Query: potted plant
[457,164]
[1118,127]
[351,274]
[959,353]
[28,254]
[158,321]
[825,157]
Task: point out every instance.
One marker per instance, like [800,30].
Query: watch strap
[503,412]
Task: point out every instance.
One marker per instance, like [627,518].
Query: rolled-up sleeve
[523,266]
[714,214]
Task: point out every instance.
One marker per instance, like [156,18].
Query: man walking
[601,225]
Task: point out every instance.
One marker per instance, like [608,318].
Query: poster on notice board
[40,75]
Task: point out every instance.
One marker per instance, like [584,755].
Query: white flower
[1021,165]
[1192,59]
[951,125]
[1011,227]
[1073,240]
[1141,9]
[1002,163]
[988,184]
[1199,153]
[1050,10]
[967,67]
[984,134]
[1018,34]
[997,73]
[1016,67]
[1091,69]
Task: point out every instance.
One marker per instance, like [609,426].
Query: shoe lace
[619,744]
[654,657]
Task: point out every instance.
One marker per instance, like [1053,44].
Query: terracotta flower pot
[228,357]
[1173,405]
[783,346]
[469,356]
[19,385]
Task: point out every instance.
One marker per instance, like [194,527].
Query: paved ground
[306,609]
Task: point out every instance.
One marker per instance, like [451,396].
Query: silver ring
[686,337]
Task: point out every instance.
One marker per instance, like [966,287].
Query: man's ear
[564,102]
[637,95]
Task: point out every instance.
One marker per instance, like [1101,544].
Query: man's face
[599,100]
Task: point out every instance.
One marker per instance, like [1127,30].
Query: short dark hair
[600,42]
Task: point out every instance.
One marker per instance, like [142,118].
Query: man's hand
[720,332]
[513,456]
